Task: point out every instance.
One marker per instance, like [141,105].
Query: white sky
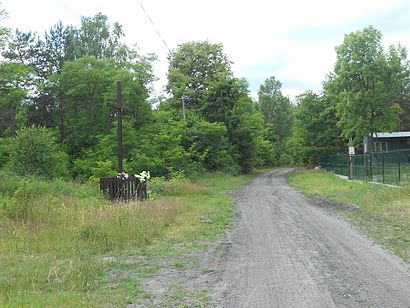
[293,40]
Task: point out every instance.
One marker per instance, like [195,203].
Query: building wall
[391,144]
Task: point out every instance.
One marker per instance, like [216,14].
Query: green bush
[32,197]
[266,154]
[4,151]
[34,152]
[208,145]
[225,163]
[285,160]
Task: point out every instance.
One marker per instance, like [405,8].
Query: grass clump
[384,211]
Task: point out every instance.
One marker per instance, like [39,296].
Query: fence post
[383,165]
[371,166]
[398,166]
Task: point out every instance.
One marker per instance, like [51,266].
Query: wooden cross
[120,108]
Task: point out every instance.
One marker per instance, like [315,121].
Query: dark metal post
[119,119]
[398,167]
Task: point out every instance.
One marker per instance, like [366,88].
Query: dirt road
[286,252]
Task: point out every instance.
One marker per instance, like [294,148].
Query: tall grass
[54,236]
[384,211]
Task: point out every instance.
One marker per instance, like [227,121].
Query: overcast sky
[293,40]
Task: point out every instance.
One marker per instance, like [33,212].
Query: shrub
[34,152]
[4,151]
[266,154]
[285,160]
[226,164]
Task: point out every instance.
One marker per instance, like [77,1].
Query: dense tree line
[58,86]
[63,81]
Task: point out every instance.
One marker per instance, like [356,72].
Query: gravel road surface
[286,252]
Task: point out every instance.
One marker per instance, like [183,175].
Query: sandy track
[286,252]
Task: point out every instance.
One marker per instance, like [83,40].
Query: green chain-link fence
[385,167]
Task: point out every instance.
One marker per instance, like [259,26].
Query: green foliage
[101,160]
[89,84]
[193,67]
[97,38]
[14,79]
[367,84]
[221,98]
[244,130]
[19,196]
[86,80]
[208,145]
[277,112]
[34,152]
[266,153]
[160,149]
[4,151]
[315,128]
[4,32]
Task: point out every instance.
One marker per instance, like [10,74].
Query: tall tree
[24,48]
[14,78]
[317,128]
[367,84]
[4,31]
[221,98]
[86,85]
[277,112]
[244,129]
[96,37]
[193,67]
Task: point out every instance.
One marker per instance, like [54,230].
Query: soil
[285,250]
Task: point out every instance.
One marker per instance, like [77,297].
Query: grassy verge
[61,244]
[384,212]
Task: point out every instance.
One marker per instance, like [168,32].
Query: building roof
[391,135]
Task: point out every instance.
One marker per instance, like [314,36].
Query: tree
[101,160]
[84,84]
[87,84]
[316,128]
[208,145]
[221,98]
[34,152]
[4,31]
[277,112]
[193,67]
[97,38]
[367,84]
[160,148]
[244,129]
[14,78]
[24,48]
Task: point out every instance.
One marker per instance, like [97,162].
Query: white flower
[122,176]
[143,176]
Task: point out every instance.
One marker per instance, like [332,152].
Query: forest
[55,120]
